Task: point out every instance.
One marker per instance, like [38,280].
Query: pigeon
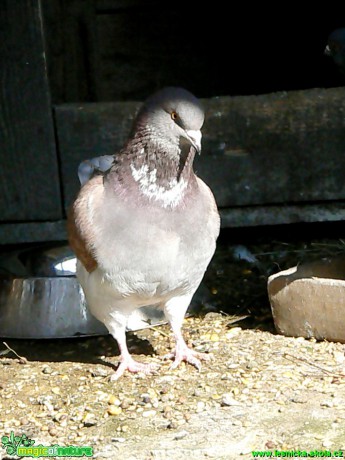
[145,230]
[336,48]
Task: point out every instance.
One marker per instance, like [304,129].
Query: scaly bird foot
[187,354]
[133,366]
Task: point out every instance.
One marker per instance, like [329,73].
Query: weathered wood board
[71,45]
[249,216]
[275,149]
[29,178]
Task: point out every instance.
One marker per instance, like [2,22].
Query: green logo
[24,447]
[11,443]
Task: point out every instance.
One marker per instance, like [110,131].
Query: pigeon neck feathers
[156,169]
[157,162]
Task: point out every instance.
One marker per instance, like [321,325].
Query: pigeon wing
[80,225]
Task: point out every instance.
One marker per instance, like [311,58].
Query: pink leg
[126,360]
[175,310]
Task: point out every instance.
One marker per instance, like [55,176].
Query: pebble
[327,443]
[327,404]
[122,429]
[339,357]
[197,392]
[114,410]
[99,372]
[181,434]
[53,431]
[106,452]
[252,365]
[149,413]
[228,400]
[210,337]
[62,417]
[125,403]
[200,406]
[114,401]
[236,422]
[299,399]
[281,402]
[270,445]
[89,420]
[232,365]
[47,370]
[173,425]
[233,332]
[337,420]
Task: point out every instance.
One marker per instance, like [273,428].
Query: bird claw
[134,367]
[188,355]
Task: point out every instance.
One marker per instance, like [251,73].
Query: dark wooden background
[73,73]
[121,50]
[29,185]
[264,150]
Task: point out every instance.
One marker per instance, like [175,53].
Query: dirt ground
[261,391]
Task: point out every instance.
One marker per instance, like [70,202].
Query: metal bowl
[40,296]
[44,308]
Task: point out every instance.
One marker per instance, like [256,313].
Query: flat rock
[308,300]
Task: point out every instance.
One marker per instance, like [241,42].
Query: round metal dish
[42,308]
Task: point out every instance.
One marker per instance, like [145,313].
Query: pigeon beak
[194,138]
[327,51]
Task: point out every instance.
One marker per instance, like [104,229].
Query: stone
[308,300]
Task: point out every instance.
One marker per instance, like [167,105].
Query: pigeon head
[174,115]
[336,48]
[156,163]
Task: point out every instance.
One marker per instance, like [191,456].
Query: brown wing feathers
[81,241]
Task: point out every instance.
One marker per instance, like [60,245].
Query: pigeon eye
[174,115]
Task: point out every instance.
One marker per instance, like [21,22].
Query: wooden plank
[71,49]
[277,148]
[33,232]
[238,217]
[257,150]
[29,180]
[253,216]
